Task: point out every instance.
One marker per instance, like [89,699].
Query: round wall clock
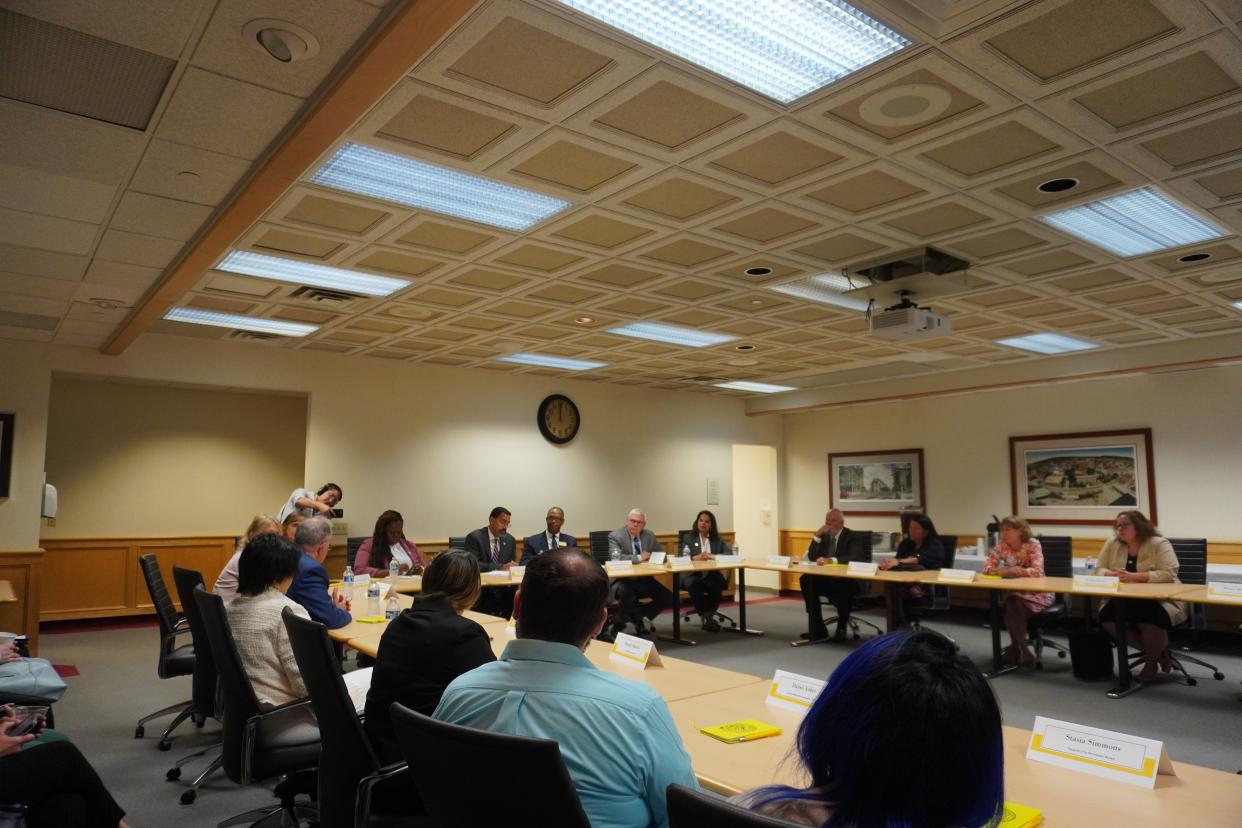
[558,419]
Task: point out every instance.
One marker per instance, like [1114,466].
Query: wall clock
[558,419]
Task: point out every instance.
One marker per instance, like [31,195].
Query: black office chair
[1192,569]
[457,542]
[1058,563]
[206,683]
[862,600]
[349,770]
[351,550]
[689,808]
[453,797]
[683,540]
[599,547]
[259,743]
[174,660]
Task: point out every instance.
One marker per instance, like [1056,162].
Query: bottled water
[392,610]
[733,551]
[1090,564]
[348,579]
[373,599]
[614,554]
[685,551]
[394,569]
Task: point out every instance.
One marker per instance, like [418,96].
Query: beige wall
[131,459]
[1193,415]
[25,380]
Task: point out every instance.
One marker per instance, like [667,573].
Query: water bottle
[394,570]
[685,551]
[614,554]
[373,595]
[392,610]
[348,583]
[733,550]
[1090,564]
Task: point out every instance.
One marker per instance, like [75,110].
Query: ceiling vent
[252,336]
[705,380]
[323,297]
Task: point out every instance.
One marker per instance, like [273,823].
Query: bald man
[833,543]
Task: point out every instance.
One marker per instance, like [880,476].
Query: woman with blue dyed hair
[906,734]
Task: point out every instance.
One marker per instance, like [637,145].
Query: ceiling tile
[321,211]
[905,105]
[776,158]
[225,115]
[133,248]
[158,216]
[286,241]
[601,231]
[488,279]
[432,123]
[999,243]
[688,289]
[1045,263]
[685,252]
[867,191]
[58,196]
[574,166]
[668,115]
[1206,141]
[1090,179]
[619,275]
[991,149]
[765,225]
[538,257]
[187,173]
[840,248]
[1088,281]
[397,264]
[48,233]
[941,218]
[565,294]
[1162,90]
[445,237]
[680,198]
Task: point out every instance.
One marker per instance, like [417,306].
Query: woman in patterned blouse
[1018,555]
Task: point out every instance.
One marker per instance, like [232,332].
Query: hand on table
[340,600]
[1131,577]
[509,565]
[703,556]
[645,555]
[9,653]
[887,563]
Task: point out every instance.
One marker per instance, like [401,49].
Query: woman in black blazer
[426,647]
[705,587]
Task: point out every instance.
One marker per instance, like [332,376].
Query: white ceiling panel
[133,248]
[187,173]
[46,232]
[224,115]
[55,142]
[156,216]
[61,196]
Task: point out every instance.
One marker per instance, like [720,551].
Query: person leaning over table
[903,700]
[309,505]
[226,581]
[832,543]
[1018,555]
[1139,555]
[635,542]
[310,586]
[388,543]
[705,588]
[426,647]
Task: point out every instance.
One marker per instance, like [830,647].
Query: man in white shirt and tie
[496,549]
[552,538]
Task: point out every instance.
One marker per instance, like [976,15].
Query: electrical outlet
[51,521]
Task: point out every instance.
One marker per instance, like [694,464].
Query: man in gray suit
[635,542]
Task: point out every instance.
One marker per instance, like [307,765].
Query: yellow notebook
[371,619]
[746,730]
[1021,816]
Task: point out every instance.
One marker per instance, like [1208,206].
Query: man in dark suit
[310,585]
[553,538]
[635,542]
[496,549]
[833,543]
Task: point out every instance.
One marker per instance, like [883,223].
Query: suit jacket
[535,545]
[930,555]
[423,649]
[620,540]
[481,545]
[849,547]
[310,589]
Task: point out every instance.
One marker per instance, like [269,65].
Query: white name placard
[729,559]
[511,628]
[619,566]
[1097,583]
[496,575]
[778,560]
[634,651]
[657,558]
[362,580]
[1117,756]
[516,573]
[792,691]
[1223,591]
[957,576]
[861,568]
[683,562]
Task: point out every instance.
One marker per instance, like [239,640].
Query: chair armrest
[250,733]
[362,805]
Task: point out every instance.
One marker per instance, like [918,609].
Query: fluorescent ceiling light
[241,323]
[1238,305]
[391,177]
[545,361]
[1048,343]
[307,273]
[826,288]
[783,49]
[761,387]
[672,334]
[1134,223]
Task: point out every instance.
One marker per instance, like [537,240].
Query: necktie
[495,550]
[832,546]
[638,550]
[552,545]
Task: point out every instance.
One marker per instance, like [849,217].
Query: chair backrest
[351,550]
[689,808]
[457,542]
[949,544]
[205,675]
[1191,558]
[866,546]
[240,702]
[599,546]
[684,537]
[346,756]
[451,796]
[1058,555]
[165,611]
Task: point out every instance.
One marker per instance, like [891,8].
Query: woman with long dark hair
[705,588]
[388,542]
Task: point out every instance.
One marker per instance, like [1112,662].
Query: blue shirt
[616,736]
[310,589]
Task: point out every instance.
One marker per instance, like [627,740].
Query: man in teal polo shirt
[616,736]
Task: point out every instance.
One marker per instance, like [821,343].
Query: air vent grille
[255,335]
[322,296]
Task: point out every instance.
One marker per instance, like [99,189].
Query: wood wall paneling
[23,569]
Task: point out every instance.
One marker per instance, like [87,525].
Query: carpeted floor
[117,684]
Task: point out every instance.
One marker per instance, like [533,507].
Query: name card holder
[957,576]
[516,573]
[793,692]
[861,568]
[1223,591]
[729,559]
[779,560]
[619,566]
[683,562]
[1106,753]
[657,558]
[634,651]
[1097,583]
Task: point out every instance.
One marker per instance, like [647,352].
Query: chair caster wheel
[1060,655]
[1191,682]
[164,744]
[1039,665]
[173,773]
[857,637]
[139,732]
[188,798]
[1218,676]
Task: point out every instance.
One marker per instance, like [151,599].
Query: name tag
[861,568]
[511,628]
[729,559]
[957,576]
[681,563]
[1225,591]
[619,566]
[634,651]
[1097,583]
[779,560]
[495,575]
[1117,756]
[657,558]
[516,573]
[792,691]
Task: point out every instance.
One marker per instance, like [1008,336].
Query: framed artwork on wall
[6,452]
[1082,478]
[876,482]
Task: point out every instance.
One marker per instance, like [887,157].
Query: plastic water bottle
[392,610]
[348,583]
[373,595]
[685,551]
[614,554]
[1090,564]
[394,570]
[733,550]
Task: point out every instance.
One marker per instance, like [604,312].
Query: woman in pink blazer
[386,544]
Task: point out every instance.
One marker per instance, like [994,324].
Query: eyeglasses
[1122,524]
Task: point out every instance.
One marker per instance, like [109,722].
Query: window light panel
[671,334]
[398,178]
[1048,343]
[1134,223]
[760,387]
[308,273]
[783,49]
[545,361]
[241,323]
[826,288]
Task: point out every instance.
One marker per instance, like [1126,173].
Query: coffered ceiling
[679,182]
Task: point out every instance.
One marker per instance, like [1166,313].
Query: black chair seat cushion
[180,662]
[286,740]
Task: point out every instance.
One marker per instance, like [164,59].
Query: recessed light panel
[1134,223]
[398,178]
[1238,305]
[241,323]
[307,273]
[1048,343]
[760,387]
[672,334]
[783,49]
[827,288]
[545,361]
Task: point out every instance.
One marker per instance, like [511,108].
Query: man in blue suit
[310,585]
[553,538]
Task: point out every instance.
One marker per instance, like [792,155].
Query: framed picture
[1083,478]
[6,452]
[876,482]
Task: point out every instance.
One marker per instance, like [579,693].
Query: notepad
[1021,816]
[371,619]
[746,730]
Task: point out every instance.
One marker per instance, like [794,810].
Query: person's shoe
[805,636]
[711,625]
[1026,658]
[840,635]
[1149,672]
[1166,662]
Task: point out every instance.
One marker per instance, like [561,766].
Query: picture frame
[6,452]
[876,482]
[1082,478]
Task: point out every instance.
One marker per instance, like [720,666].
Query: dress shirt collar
[533,649]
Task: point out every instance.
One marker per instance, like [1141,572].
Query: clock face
[558,419]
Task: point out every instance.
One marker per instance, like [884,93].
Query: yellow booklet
[1021,816]
[746,730]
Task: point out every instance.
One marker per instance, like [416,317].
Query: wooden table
[892,580]
[7,596]
[1193,594]
[1196,796]
[358,629]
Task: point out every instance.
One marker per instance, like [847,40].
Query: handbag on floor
[31,680]
[1091,654]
